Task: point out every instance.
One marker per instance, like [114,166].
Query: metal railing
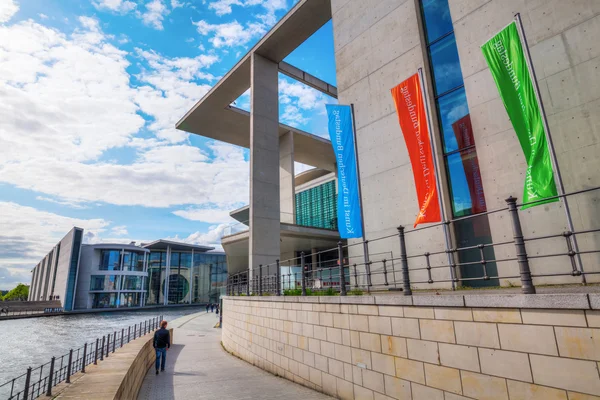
[395,269]
[40,380]
[8,312]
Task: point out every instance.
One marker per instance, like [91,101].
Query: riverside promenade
[199,368]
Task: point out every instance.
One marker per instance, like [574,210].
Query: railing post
[385,278]
[526,281]
[571,253]
[84,357]
[342,274]
[114,341]
[96,352]
[122,337]
[107,345]
[278,283]
[260,280]
[134,330]
[248,283]
[129,334]
[51,377]
[69,366]
[302,273]
[404,262]
[367,264]
[102,348]
[27,381]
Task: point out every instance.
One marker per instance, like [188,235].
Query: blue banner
[342,139]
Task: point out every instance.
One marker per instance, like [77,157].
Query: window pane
[446,65]
[453,111]
[110,260]
[465,183]
[437,18]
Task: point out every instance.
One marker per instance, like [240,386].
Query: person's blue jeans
[161,358]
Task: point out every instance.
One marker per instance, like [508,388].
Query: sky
[91,91]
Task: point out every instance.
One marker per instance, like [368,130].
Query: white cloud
[27,234]
[176,4]
[230,34]
[120,6]
[75,90]
[8,8]
[224,7]
[155,13]
[43,16]
[61,202]
[209,213]
[120,230]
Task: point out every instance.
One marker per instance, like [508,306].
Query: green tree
[19,293]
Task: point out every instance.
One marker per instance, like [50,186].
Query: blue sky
[91,92]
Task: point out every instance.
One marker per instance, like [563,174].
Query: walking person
[207,306]
[162,343]
[212,307]
[217,309]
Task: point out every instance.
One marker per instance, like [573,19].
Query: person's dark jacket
[162,339]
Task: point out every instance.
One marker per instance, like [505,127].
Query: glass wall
[317,207]
[200,278]
[110,260]
[130,299]
[460,154]
[133,261]
[132,283]
[105,282]
[104,300]
[157,269]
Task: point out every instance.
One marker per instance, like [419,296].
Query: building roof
[213,116]
[162,244]
[117,246]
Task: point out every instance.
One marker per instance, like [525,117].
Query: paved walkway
[199,368]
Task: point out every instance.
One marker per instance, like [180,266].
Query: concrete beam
[264,164]
[286,178]
[307,79]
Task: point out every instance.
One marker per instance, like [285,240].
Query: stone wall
[543,347]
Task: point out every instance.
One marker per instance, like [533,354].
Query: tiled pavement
[199,368]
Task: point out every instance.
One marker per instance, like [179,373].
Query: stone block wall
[383,347]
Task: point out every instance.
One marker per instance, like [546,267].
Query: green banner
[505,57]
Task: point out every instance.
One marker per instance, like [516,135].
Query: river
[30,342]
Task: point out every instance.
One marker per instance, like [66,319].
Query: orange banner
[413,122]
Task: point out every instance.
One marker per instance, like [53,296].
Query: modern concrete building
[378,44]
[55,277]
[114,275]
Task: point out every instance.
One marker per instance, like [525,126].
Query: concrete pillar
[264,164]
[315,258]
[167,273]
[286,178]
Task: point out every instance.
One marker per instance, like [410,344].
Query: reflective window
[446,66]
[105,300]
[460,155]
[130,299]
[105,282]
[110,260]
[133,261]
[437,18]
[452,108]
[317,206]
[132,283]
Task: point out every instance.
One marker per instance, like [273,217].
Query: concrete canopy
[213,116]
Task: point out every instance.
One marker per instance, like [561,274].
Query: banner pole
[362,216]
[561,188]
[437,181]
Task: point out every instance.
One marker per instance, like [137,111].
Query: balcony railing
[524,259]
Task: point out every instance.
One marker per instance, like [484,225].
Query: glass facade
[110,260]
[197,278]
[105,282]
[73,265]
[460,154]
[133,261]
[104,300]
[132,283]
[317,206]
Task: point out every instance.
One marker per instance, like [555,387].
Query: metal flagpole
[437,181]
[362,216]
[561,188]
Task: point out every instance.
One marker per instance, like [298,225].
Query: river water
[30,342]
